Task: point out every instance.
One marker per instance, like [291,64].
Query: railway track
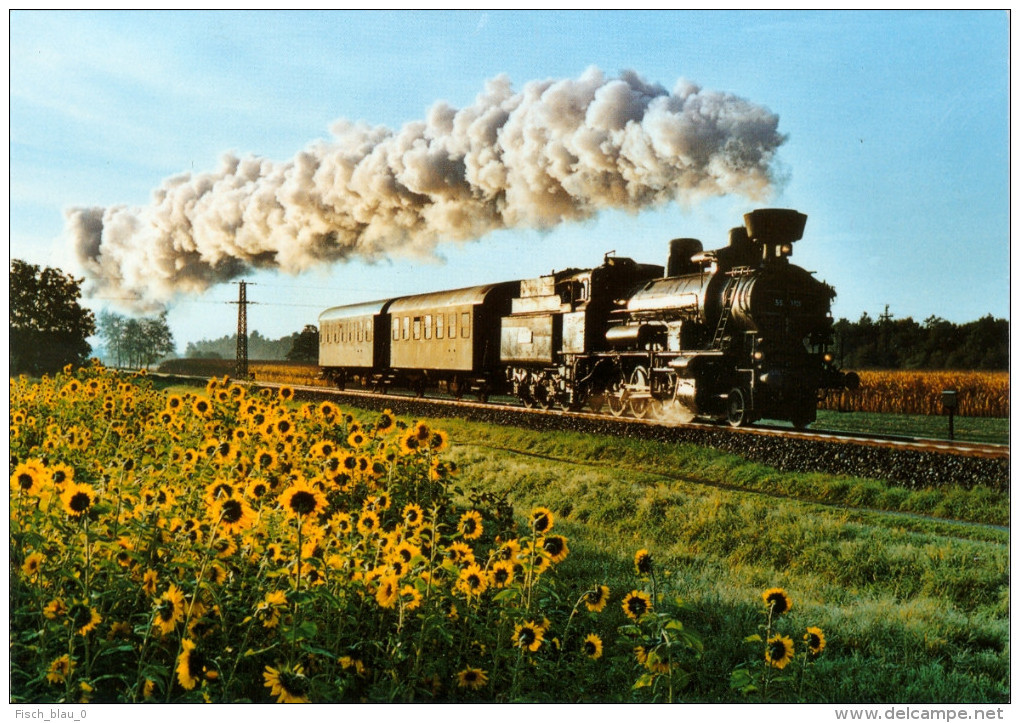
[911,461]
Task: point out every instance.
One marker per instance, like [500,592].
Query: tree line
[888,343]
[299,346]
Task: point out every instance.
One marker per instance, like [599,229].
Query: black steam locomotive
[735,334]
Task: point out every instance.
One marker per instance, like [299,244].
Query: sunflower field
[236,545]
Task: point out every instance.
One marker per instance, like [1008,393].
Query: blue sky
[896,125]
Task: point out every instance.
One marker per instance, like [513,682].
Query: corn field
[980,394]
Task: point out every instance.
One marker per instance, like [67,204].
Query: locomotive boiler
[736,334]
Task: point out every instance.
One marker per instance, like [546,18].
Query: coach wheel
[737,412]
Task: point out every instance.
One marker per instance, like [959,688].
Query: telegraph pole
[241,368]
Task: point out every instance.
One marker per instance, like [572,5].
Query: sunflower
[202,407]
[779,651]
[149,581]
[368,523]
[217,490]
[555,546]
[265,459]
[592,646]
[410,597]
[460,553]
[84,619]
[32,565]
[528,636]
[29,478]
[636,604]
[409,443]
[286,394]
[169,610]
[643,562]
[289,686]
[470,525]
[541,520]
[192,666]
[60,474]
[60,669]
[595,600]
[385,422]
[327,410]
[388,592]
[301,500]
[502,574]
[815,639]
[55,608]
[413,515]
[472,678]
[438,441]
[777,601]
[472,580]
[268,611]
[234,514]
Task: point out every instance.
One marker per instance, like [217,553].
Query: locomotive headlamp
[827,357]
[786,249]
[758,356]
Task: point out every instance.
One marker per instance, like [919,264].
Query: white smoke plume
[559,150]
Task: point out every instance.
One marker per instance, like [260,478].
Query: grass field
[224,545]
[915,609]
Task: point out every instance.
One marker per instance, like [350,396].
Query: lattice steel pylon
[241,367]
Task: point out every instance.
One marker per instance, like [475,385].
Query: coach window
[439,325]
[396,328]
[368,330]
[407,327]
[453,326]
[428,326]
[465,325]
[417,327]
[361,331]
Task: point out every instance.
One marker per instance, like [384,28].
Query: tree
[49,328]
[136,342]
[306,345]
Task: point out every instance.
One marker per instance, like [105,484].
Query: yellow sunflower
[303,500]
[60,669]
[777,601]
[779,651]
[528,636]
[643,562]
[233,514]
[169,610]
[288,685]
[502,574]
[388,592]
[77,499]
[815,639]
[555,547]
[33,563]
[192,666]
[472,580]
[470,525]
[84,619]
[541,520]
[592,646]
[368,523]
[413,515]
[636,604]
[472,678]
[595,600]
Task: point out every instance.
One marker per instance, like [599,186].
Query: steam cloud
[559,150]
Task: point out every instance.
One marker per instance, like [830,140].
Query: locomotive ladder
[728,295]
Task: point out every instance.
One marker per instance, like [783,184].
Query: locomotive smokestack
[775,225]
[559,150]
[680,252]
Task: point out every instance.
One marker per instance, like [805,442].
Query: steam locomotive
[735,334]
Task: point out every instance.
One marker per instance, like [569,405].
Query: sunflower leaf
[644,681]
[753,638]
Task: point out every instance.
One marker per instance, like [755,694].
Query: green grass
[991,430]
[915,609]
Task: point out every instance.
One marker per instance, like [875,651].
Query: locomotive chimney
[680,252]
[776,229]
